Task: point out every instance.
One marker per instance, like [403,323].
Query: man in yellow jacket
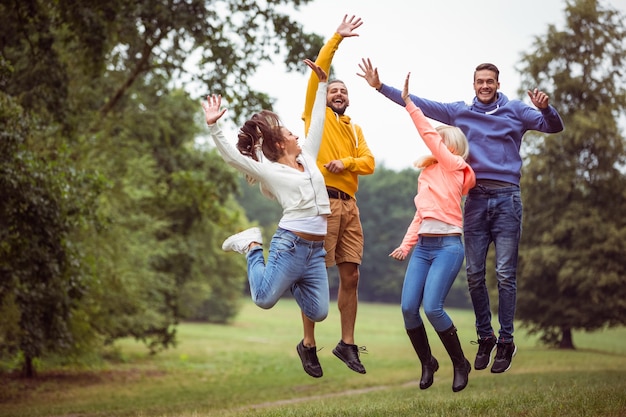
[343,156]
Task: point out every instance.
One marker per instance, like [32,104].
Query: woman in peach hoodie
[436,233]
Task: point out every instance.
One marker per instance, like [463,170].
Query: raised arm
[231,155]
[549,121]
[370,74]
[429,134]
[313,139]
[346,29]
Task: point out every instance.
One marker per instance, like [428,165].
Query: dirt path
[325,396]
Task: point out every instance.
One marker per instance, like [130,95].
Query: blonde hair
[453,138]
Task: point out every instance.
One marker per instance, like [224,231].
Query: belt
[309,237]
[334,193]
[438,235]
[494,184]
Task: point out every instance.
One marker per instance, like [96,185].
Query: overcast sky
[439,42]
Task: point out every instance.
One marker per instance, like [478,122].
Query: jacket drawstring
[356,137]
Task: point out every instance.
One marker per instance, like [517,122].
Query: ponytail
[260,135]
[453,138]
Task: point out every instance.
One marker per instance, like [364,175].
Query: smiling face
[290,142]
[337,97]
[486,85]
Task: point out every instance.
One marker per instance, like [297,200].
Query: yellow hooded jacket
[341,139]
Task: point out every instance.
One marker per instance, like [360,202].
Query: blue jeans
[493,215]
[433,267]
[292,264]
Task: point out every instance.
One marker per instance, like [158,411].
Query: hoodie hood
[343,118]
[480,107]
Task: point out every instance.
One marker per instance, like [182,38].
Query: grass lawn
[251,368]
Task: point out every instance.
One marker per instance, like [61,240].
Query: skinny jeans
[493,216]
[433,267]
[293,264]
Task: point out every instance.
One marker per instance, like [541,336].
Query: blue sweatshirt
[494,131]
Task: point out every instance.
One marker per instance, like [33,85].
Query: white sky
[440,42]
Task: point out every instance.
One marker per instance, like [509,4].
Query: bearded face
[337,97]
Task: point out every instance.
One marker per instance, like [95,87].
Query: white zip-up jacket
[300,194]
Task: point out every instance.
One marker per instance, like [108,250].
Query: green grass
[251,368]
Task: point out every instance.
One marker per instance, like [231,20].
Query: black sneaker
[310,363]
[486,346]
[350,355]
[504,356]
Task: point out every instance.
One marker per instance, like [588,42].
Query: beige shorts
[344,238]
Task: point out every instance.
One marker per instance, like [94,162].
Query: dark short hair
[489,67]
[335,80]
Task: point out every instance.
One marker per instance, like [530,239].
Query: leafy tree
[42,278]
[572,256]
[102,81]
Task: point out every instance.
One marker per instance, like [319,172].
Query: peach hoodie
[440,186]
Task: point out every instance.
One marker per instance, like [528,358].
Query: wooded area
[111,218]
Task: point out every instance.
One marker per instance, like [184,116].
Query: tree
[42,277]
[102,81]
[572,263]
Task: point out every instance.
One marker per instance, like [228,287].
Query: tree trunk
[566,339]
[28,370]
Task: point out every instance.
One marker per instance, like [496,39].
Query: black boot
[461,365]
[419,340]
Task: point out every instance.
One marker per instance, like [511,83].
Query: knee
[507,284]
[433,313]
[265,303]
[411,319]
[475,281]
[349,277]
[318,316]
[409,309]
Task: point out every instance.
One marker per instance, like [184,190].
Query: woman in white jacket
[296,254]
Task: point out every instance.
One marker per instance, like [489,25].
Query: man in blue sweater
[494,126]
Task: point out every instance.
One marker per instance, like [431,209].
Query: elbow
[372,166]
[558,129]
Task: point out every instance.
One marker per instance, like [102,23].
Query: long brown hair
[262,130]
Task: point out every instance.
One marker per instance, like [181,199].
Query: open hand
[370,74]
[346,27]
[212,111]
[321,74]
[405,90]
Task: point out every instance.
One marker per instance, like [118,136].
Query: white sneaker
[242,240]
